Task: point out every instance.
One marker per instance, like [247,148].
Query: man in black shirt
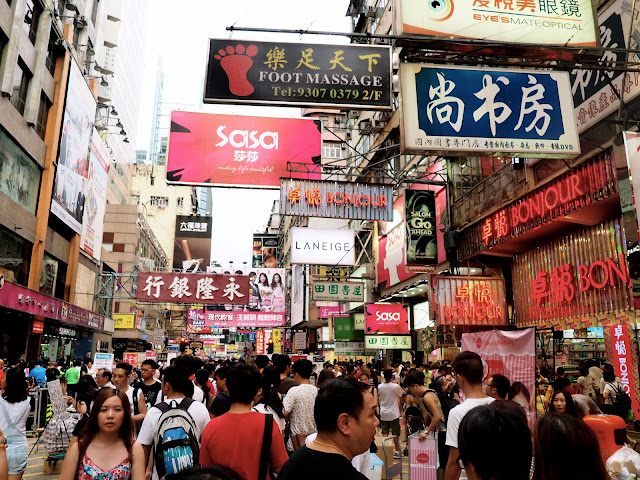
[222,403]
[345,417]
[149,385]
[52,372]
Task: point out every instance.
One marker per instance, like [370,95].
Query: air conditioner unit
[365,125]
[371,11]
[385,116]
[354,114]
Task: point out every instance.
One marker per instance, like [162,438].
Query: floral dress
[89,470]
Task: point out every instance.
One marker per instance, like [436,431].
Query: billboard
[193,288]
[233,150]
[315,198]
[386,318]
[338,291]
[298,74]
[470,301]
[19,175]
[500,112]
[96,197]
[265,251]
[298,289]
[422,242]
[387,342]
[265,306]
[192,245]
[322,247]
[73,158]
[564,23]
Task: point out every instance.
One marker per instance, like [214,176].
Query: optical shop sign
[623,362]
[506,112]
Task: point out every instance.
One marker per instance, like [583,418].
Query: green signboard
[388,342]
[343,329]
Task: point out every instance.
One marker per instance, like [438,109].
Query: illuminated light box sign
[421,238]
[590,181]
[209,149]
[387,342]
[193,287]
[579,274]
[536,22]
[358,201]
[470,301]
[298,74]
[386,318]
[504,112]
[322,247]
[338,291]
[621,348]
[124,320]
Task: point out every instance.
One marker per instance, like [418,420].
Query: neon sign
[470,301]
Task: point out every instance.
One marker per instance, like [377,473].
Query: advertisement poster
[192,246]
[298,290]
[298,74]
[386,318]
[103,360]
[422,242]
[234,150]
[509,353]
[96,197]
[19,175]
[69,193]
[265,306]
[193,288]
[509,112]
[265,251]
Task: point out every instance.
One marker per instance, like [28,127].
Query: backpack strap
[265,453]
[136,407]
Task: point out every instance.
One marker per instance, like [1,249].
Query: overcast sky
[178,32]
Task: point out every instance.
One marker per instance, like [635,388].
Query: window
[50,61]
[135,199]
[180,201]
[467,172]
[94,12]
[31,19]
[325,122]
[332,151]
[19,91]
[160,201]
[43,114]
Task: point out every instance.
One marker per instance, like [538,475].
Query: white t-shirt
[300,401]
[455,417]
[596,373]
[14,409]
[198,394]
[129,394]
[611,390]
[602,383]
[198,412]
[262,408]
[389,393]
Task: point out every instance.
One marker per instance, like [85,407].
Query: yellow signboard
[124,320]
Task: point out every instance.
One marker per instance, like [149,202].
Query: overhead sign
[324,273]
[233,150]
[37,327]
[504,112]
[349,348]
[193,288]
[124,320]
[387,342]
[298,74]
[539,22]
[422,243]
[343,329]
[470,301]
[577,188]
[358,201]
[386,318]
[322,247]
[192,245]
[338,291]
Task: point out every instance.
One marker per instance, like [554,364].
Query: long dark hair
[579,455]
[571,406]
[202,376]
[269,383]
[275,284]
[91,428]
[16,388]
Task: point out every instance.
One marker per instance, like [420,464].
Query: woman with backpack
[612,390]
[106,448]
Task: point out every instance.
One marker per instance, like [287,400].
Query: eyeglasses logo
[440,10]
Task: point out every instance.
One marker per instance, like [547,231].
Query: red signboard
[243,319]
[622,361]
[210,149]
[38,327]
[130,358]
[470,301]
[386,318]
[589,182]
[260,342]
[193,288]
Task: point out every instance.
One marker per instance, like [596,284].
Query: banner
[386,318]
[621,351]
[192,246]
[69,194]
[298,74]
[422,242]
[233,150]
[192,288]
[96,197]
[512,354]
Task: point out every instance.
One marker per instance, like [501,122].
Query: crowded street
[350,239]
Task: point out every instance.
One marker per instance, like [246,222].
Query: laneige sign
[322,247]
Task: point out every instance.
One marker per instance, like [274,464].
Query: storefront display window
[19,175]
[15,256]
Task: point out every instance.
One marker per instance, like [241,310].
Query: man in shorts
[391,397]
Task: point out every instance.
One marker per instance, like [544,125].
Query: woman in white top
[611,387]
[14,410]
[268,399]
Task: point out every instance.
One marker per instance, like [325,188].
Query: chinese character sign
[387,342]
[386,318]
[470,301]
[131,359]
[193,288]
[343,329]
[209,149]
[506,111]
[192,246]
[268,73]
[539,22]
[338,291]
[621,349]
[124,320]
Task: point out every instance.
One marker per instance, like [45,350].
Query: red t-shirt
[234,440]
[212,390]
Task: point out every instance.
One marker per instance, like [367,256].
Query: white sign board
[300,341]
[323,247]
[103,360]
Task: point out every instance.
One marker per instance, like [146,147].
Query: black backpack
[622,404]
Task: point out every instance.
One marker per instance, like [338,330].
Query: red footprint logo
[236,62]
